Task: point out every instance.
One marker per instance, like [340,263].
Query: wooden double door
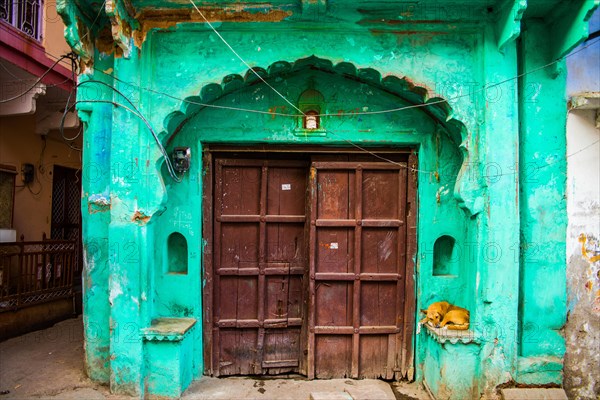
[309,265]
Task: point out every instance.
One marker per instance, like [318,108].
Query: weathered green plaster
[543,209]
[476,154]
[169,344]
[449,368]
[96,204]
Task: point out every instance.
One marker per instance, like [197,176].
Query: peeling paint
[585,252]
[176,54]
[98,203]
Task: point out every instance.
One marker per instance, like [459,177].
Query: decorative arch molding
[436,108]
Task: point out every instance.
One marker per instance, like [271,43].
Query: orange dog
[443,314]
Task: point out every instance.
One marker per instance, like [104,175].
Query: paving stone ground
[48,364]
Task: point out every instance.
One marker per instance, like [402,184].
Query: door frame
[209,151]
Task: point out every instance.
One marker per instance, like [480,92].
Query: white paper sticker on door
[286,186]
[333,245]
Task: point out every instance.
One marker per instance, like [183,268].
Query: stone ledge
[584,101]
[168,329]
[443,335]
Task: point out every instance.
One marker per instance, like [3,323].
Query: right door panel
[358,247]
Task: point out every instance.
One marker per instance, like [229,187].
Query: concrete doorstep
[533,394]
[293,388]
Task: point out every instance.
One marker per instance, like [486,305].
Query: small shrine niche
[311,103]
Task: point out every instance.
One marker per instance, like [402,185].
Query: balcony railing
[36,272]
[25,15]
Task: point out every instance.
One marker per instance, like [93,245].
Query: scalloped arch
[468,192]
[437,108]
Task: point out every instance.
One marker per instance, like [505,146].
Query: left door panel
[259,266]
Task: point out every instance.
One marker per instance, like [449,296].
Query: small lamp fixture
[311,120]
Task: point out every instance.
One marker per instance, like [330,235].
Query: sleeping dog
[443,314]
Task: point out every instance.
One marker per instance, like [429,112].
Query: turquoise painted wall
[473,179]
[543,214]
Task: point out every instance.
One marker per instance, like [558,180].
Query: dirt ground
[48,364]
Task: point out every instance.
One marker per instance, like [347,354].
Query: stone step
[354,393]
[533,394]
[367,393]
[330,396]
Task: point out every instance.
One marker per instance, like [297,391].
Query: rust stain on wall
[407,32]
[140,218]
[164,19]
[584,250]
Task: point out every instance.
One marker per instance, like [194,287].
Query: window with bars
[7,196]
[66,208]
[66,204]
[25,15]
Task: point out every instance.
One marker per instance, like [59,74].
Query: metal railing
[36,272]
[25,15]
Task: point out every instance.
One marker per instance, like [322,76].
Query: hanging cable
[94,22]
[167,159]
[242,60]
[139,114]
[73,58]
[136,112]
[20,79]
[345,114]
[36,82]
[240,109]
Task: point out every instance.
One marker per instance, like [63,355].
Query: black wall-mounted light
[28,173]
[181,159]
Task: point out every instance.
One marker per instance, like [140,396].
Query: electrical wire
[66,139]
[329,114]
[40,166]
[170,167]
[94,22]
[163,151]
[491,176]
[329,131]
[65,111]
[483,89]
[243,61]
[20,79]
[136,112]
[36,82]
[10,73]
[392,110]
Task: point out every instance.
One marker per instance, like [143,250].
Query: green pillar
[96,203]
[127,239]
[499,222]
[542,167]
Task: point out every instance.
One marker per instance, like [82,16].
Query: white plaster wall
[583,177]
[582,331]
